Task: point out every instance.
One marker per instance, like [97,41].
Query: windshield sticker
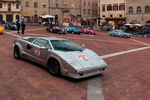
[37,52]
[82,57]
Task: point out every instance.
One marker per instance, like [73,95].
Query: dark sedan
[56,29]
[11,26]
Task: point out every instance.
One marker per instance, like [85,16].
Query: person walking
[18,26]
[23,26]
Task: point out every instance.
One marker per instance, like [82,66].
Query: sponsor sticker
[82,57]
[37,51]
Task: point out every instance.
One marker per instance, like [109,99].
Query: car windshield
[12,24]
[119,30]
[65,45]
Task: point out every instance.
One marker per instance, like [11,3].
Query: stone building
[89,11]
[112,12]
[33,9]
[65,10]
[62,10]
[138,11]
[10,10]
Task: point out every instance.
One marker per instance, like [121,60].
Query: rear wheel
[16,52]
[125,36]
[54,67]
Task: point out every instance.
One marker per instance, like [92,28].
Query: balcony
[66,10]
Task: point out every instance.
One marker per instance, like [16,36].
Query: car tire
[47,30]
[16,52]
[58,32]
[54,67]
[125,36]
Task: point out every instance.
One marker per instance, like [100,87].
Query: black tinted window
[31,39]
[41,42]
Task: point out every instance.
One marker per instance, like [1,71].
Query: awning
[127,24]
[115,18]
[135,22]
[47,16]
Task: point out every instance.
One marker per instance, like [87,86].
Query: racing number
[83,57]
[37,52]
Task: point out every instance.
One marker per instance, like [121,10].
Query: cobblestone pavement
[127,76]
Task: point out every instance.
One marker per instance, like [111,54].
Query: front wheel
[16,52]
[54,67]
[47,30]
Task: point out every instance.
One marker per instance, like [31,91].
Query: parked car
[60,56]
[11,26]
[56,29]
[120,33]
[73,30]
[89,31]
[1,30]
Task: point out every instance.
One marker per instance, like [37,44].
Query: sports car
[73,30]
[1,30]
[89,31]
[120,33]
[60,56]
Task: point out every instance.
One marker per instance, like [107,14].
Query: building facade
[10,10]
[89,12]
[68,11]
[32,10]
[112,12]
[138,11]
[62,10]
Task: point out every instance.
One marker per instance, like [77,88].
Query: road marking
[90,39]
[124,52]
[139,42]
[13,34]
[94,89]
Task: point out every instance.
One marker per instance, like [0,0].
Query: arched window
[138,10]
[35,4]
[130,10]
[84,11]
[26,4]
[147,9]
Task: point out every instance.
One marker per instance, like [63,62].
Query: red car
[89,31]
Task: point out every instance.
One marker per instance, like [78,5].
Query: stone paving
[127,76]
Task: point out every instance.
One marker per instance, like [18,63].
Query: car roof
[47,38]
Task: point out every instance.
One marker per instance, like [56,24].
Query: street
[126,77]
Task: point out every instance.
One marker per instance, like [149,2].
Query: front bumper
[83,74]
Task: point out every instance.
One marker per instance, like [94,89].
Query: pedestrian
[18,26]
[3,23]
[23,26]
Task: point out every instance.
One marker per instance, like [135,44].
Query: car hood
[86,59]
